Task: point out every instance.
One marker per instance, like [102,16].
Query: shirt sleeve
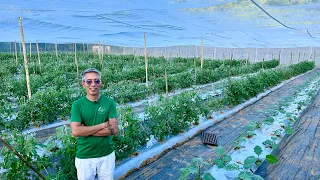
[113,110]
[75,113]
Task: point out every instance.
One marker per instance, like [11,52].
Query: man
[94,121]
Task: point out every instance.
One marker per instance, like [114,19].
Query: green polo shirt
[91,113]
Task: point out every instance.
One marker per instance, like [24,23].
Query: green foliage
[170,116]
[222,159]
[44,107]
[126,91]
[268,120]
[65,168]
[25,145]
[239,90]
[195,168]
[271,159]
[132,134]
[270,144]
[258,150]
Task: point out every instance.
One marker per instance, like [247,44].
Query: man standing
[94,121]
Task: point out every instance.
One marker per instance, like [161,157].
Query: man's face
[92,83]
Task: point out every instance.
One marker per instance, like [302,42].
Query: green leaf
[245,176]
[219,163]
[220,150]
[232,167]
[257,177]
[268,121]
[251,127]
[226,159]
[248,162]
[258,150]
[208,176]
[288,130]
[271,159]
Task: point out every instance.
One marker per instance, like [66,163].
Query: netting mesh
[234,24]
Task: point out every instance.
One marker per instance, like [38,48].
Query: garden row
[167,117]
[258,140]
[50,103]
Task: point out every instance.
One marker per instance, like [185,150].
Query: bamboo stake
[99,53]
[256,56]
[195,70]
[201,60]
[57,50]
[94,53]
[229,79]
[25,58]
[247,50]
[4,142]
[146,58]
[291,59]
[15,51]
[166,79]
[299,58]
[280,56]
[76,62]
[102,53]
[38,55]
[30,50]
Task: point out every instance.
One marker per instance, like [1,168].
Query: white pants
[102,166]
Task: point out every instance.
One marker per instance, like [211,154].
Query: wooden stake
[25,58]
[15,51]
[247,50]
[30,50]
[76,62]
[4,142]
[256,56]
[229,79]
[299,58]
[99,52]
[146,58]
[38,55]
[56,50]
[195,70]
[102,53]
[291,59]
[280,56]
[201,59]
[166,79]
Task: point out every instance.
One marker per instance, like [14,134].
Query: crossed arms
[104,129]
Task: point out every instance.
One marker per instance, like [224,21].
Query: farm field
[190,90]
[195,94]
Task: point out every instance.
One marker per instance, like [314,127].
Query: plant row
[167,117]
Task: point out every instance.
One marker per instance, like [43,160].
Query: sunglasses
[89,81]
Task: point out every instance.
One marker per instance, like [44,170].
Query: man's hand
[113,126]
